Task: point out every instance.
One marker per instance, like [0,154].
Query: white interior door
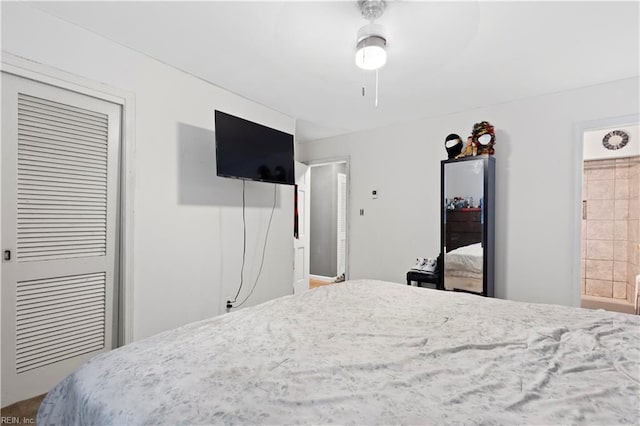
[60,152]
[301,244]
[342,223]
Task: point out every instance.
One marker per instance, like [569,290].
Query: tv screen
[248,150]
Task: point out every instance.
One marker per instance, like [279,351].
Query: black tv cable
[244,248]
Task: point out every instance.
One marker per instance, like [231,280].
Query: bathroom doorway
[610,231]
[328,222]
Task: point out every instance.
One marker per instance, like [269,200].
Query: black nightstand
[427,278]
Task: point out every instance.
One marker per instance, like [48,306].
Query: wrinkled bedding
[368,352]
[465,259]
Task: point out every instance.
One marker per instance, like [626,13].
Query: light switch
[361,212]
[374,194]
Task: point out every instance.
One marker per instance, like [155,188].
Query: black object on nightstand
[427,277]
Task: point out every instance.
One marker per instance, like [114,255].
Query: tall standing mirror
[467,224]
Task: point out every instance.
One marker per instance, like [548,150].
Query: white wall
[188,223]
[536,149]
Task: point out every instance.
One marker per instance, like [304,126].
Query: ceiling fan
[371,42]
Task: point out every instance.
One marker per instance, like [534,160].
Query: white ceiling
[443,57]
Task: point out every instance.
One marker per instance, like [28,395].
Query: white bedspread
[368,352]
[466,259]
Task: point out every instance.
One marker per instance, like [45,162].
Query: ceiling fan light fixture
[371,47]
[371,53]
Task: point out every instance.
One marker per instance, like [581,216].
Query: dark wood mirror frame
[488,224]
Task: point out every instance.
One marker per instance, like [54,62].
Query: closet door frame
[21,67]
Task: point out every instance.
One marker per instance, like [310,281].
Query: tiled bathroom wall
[610,258]
[633,236]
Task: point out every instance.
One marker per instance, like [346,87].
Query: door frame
[578,166]
[338,192]
[302,239]
[46,74]
[347,170]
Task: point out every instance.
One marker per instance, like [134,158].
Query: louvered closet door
[60,153]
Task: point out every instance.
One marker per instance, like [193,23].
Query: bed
[368,352]
[463,268]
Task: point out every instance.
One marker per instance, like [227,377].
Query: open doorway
[328,223]
[610,231]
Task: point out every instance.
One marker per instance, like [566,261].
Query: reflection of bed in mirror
[463,268]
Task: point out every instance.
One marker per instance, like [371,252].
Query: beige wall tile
[621,209]
[632,272]
[630,246]
[634,184]
[620,251]
[601,189]
[600,249]
[583,287]
[599,288]
[620,271]
[600,173]
[600,229]
[600,210]
[599,269]
[621,189]
[634,208]
[630,290]
[621,230]
[622,171]
[634,230]
[619,290]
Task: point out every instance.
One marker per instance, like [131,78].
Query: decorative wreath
[484,144]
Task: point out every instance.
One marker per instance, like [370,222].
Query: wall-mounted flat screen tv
[248,150]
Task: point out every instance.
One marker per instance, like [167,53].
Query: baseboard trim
[322,278]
